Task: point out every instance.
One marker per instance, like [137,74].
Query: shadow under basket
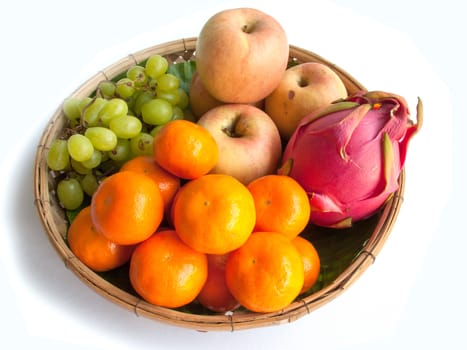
[345,254]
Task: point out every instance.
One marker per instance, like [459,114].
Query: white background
[413,296]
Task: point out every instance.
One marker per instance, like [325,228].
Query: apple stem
[303,82]
[229,130]
[248,28]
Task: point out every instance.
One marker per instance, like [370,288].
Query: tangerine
[166,272]
[214,213]
[185,149]
[310,259]
[215,295]
[266,273]
[92,248]
[127,207]
[281,205]
[167,182]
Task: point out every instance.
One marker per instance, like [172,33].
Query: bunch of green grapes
[114,125]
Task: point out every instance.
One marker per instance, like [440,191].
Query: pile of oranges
[190,235]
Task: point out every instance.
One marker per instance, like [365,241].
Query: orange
[166,272]
[185,149]
[310,259]
[266,273]
[167,182]
[215,295]
[214,213]
[127,207]
[93,249]
[282,205]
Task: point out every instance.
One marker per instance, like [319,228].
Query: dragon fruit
[349,155]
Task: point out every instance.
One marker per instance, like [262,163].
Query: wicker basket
[361,243]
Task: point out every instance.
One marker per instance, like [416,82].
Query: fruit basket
[345,253]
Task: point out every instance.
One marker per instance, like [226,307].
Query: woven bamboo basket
[359,244]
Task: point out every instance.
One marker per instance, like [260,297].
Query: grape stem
[82,122]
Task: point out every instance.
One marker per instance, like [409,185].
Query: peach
[303,89]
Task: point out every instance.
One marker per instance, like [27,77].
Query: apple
[248,140]
[303,89]
[241,55]
[201,100]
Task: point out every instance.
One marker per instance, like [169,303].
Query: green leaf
[337,248]
[71,214]
[184,72]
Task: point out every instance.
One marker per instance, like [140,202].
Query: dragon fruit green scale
[348,156]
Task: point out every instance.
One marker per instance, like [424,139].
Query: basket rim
[53,224]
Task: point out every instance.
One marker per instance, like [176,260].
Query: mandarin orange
[215,295]
[311,261]
[127,207]
[167,182]
[214,213]
[281,205]
[185,149]
[92,248]
[166,272]
[266,273]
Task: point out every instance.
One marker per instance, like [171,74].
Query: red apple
[241,55]
[303,89]
[248,140]
[201,100]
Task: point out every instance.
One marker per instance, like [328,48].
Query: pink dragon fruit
[348,156]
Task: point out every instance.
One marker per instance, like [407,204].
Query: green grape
[105,155]
[107,89]
[183,100]
[121,152]
[89,184]
[142,144]
[178,113]
[168,82]
[80,147]
[130,101]
[83,104]
[170,96]
[156,65]
[94,161]
[73,123]
[102,139]
[79,167]
[126,127]
[71,108]
[115,107]
[57,156]
[152,85]
[91,112]
[157,112]
[125,88]
[142,98]
[70,194]
[137,75]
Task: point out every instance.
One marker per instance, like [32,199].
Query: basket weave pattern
[55,224]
